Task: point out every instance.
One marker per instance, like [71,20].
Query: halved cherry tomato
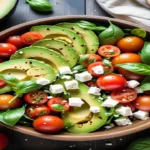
[35,111]
[130,44]
[125,95]
[108,51]
[130,105]
[31,37]
[111,82]
[36,97]
[107,69]
[60,101]
[4,102]
[142,103]
[90,58]
[48,124]
[2,83]
[3,141]
[15,40]
[7,49]
[91,83]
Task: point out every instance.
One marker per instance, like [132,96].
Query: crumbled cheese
[75,101]
[56,88]
[98,69]
[138,90]
[132,83]
[109,126]
[123,121]
[42,81]
[66,77]
[83,77]
[109,102]
[94,109]
[143,115]
[49,97]
[94,90]
[73,84]
[65,70]
[124,111]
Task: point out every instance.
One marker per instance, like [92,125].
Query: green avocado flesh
[66,35]
[84,121]
[89,36]
[6,6]
[49,56]
[70,55]
[27,69]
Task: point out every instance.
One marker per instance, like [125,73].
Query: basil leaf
[145,85]
[139,32]
[11,117]
[40,5]
[58,107]
[77,68]
[111,35]
[138,68]
[83,58]
[107,62]
[9,79]
[141,144]
[145,53]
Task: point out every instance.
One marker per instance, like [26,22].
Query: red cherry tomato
[2,83]
[108,51]
[90,58]
[60,101]
[130,44]
[15,40]
[142,103]
[111,82]
[3,141]
[36,97]
[125,95]
[130,105]
[107,69]
[48,124]
[91,83]
[31,37]
[1,60]
[7,49]
[35,111]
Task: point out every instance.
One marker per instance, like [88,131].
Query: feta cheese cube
[42,81]
[94,90]
[138,90]
[94,109]
[132,83]
[66,77]
[109,102]
[123,121]
[56,88]
[124,111]
[98,69]
[84,76]
[65,70]
[143,115]
[73,84]
[75,101]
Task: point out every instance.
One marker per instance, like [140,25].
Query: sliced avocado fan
[66,35]
[70,55]
[46,55]
[27,68]
[84,124]
[89,36]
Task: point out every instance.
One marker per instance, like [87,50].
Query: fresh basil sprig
[40,5]
[138,68]
[145,85]
[145,53]
[139,32]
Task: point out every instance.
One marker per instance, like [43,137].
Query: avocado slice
[58,33]
[65,50]
[23,68]
[89,36]
[94,121]
[49,56]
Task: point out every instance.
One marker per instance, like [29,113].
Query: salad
[75,76]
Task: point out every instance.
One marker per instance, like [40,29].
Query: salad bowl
[137,125]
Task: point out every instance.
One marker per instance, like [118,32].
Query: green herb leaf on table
[145,53]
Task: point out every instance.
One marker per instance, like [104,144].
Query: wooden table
[19,141]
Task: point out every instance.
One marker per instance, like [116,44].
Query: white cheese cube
[75,101]
[56,88]
[73,84]
[143,115]
[83,77]
[65,70]
[98,69]
[132,83]
[124,111]
[66,77]
[94,109]
[42,81]
[109,102]
[94,90]
[123,121]
[138,90]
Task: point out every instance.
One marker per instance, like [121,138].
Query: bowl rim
[118,131]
